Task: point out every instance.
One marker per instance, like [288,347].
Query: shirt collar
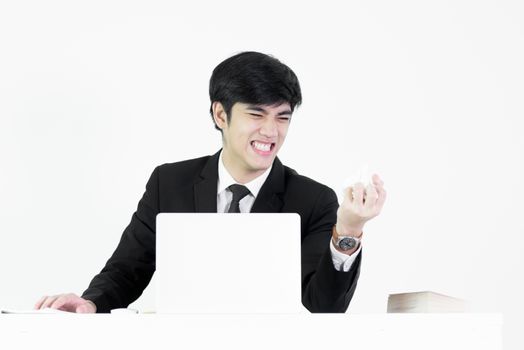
[225,179]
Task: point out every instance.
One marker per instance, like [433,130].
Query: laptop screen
[228,263]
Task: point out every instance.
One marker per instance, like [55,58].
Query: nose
[269,128]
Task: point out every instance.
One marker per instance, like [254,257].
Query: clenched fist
[360,205]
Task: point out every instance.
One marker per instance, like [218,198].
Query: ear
[219,115]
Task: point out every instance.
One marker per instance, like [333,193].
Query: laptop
[228,263]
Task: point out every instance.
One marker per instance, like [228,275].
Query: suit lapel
[269,199]
[205,190]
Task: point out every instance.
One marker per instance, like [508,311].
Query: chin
[261,166]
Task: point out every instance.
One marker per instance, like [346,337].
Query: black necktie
[239,192]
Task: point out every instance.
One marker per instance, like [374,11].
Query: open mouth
[263,148]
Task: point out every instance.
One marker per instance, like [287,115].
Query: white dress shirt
[225,196]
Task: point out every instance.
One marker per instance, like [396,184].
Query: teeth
[265,147]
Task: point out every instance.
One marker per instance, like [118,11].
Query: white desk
[273,332]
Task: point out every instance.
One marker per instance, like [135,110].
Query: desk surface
[305,331]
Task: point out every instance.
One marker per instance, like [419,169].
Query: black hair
[254,78]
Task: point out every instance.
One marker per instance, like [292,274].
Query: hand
[360,205]
[66,302]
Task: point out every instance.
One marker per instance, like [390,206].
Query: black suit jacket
[191,186]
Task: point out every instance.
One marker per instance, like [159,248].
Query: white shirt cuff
[343,261]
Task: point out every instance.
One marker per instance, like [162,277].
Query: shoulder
[315,202]
[307,188]
[185,173]
[186,167]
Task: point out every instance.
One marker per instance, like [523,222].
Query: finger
[39,303]
[382,194]
[349,193]
[379,189]
[49,301]
[371,197]
[377,180]
[358,193]
[60,302]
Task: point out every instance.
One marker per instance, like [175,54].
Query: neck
[239,174]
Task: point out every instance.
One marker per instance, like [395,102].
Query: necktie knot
[239,192]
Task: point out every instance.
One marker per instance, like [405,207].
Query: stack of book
[425,302]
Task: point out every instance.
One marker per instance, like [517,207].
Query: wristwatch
[344,243]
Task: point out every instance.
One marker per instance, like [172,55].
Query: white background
[93,95]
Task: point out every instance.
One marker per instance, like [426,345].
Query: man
[252,97]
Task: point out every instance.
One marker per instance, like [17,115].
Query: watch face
[347,243]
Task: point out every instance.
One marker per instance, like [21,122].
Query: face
[252,137]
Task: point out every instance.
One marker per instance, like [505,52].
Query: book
[422,302]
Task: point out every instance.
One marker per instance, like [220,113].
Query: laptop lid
[228,263]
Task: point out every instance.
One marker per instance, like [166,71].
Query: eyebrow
[260,109]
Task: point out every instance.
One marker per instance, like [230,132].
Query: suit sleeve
[324,289]
[130,268]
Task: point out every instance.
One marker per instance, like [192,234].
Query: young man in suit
[253,96]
